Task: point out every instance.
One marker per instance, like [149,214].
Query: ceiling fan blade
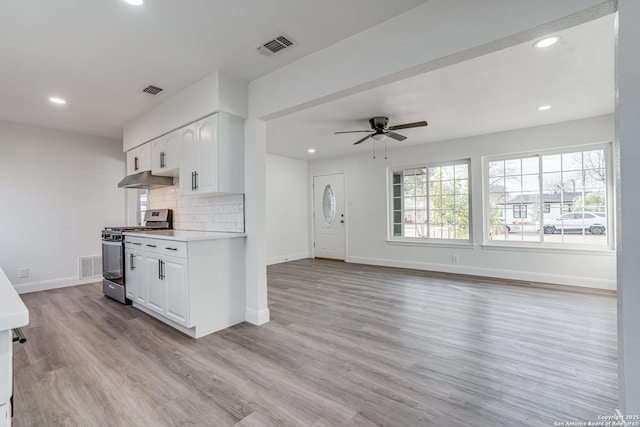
[408,125]
[352,131]
[396,136]
[362,140]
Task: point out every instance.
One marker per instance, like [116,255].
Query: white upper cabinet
[139,159]
[212,155]
[166,155]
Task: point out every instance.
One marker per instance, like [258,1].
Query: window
[431,202]
[519,211]
[560,196]
[142,205]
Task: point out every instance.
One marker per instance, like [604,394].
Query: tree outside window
[431,202]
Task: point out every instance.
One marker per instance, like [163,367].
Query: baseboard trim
[256,317]
[287,258]
[45,285]
[578,281]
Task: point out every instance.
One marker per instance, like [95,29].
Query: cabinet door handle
[162,161]
[160,269]
[196,174]
[135,163]
[131,265]
[193,181]
[151,246]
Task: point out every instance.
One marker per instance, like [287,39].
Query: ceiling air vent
[276,45]
[153,90]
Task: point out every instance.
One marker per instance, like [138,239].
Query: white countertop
[185,235]
[13,312]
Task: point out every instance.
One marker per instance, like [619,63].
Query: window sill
[548,249]
[432,243]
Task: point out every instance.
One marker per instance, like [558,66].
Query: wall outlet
[455,259]
[23,273]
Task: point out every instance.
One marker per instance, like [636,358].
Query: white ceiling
[496,92]
[100,54]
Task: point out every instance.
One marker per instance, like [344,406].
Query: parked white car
[593,222]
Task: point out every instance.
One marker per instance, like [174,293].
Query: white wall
[58,190]
[366,196]
[287,209]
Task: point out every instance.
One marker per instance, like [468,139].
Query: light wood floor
[347,345]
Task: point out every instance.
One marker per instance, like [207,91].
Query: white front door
[329,217]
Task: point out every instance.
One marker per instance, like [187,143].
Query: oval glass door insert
[328,205]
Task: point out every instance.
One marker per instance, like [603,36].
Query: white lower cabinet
[157,289]
[197,287]
[6,376]
[135,275]
[167,287]
[177,308]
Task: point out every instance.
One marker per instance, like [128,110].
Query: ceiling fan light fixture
[379,137]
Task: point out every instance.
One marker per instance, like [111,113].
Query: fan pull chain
[385,148]
[374,148]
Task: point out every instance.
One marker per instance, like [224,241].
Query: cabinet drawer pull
[136,243]
[171,249]
[127,241]
[151,246]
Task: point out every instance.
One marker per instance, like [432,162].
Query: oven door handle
[114,243]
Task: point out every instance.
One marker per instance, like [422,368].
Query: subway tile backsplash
[200,212]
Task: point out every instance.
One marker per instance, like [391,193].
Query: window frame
[391,170]
[546,245]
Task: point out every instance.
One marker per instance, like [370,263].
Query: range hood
[145,180]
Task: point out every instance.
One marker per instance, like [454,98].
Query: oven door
[112,268]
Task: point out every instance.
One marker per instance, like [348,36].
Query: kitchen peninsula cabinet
[212,155]
[193,281]
[13,314]
[139,159]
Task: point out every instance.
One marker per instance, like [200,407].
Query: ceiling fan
[379,129]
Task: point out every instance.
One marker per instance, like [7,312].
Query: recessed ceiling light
[546,42]
[311,150]
[135,2]
[544,108]
[57,100]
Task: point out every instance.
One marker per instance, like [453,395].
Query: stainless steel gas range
[113,275]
